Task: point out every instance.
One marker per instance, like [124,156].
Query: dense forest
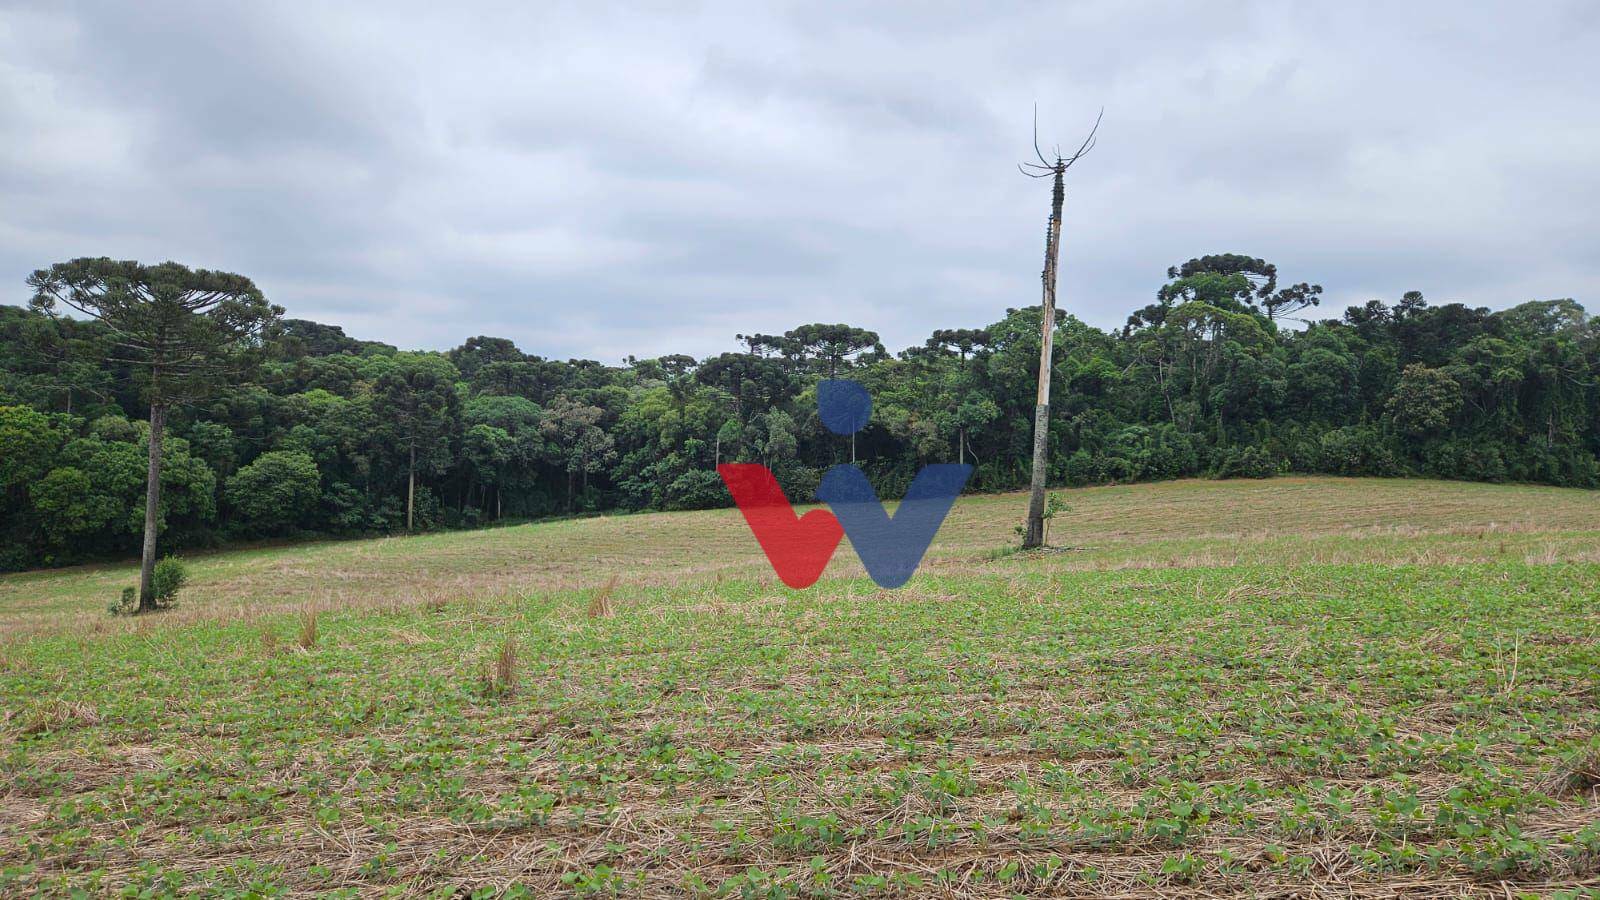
[333,435]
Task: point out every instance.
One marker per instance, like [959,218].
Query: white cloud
[601,181]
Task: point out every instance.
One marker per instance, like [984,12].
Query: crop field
[1292,687]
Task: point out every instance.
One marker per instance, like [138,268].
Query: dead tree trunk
[1047,327]
[1034,534]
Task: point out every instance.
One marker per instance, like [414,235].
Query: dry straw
[600,603]
[308,628]
[499,676]
[1579,773]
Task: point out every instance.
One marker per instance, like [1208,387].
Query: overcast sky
[597,181]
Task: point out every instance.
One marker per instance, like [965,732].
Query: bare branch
[1036,151]
[1044,168]
[1087,145]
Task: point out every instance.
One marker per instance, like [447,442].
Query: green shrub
[168,578]
[1353,450]
[170,575]
[800,482]
[1053,503]
[1243,462]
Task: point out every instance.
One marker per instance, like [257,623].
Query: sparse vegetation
[500,676]
[1053,504]
[600,602]
[308,628]
[127,604]
[167,578]
[1248,688]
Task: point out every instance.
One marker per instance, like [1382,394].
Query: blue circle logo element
[843,405]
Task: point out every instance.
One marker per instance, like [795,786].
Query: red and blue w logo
[799,547]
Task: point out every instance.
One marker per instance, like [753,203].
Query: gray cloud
[596,181]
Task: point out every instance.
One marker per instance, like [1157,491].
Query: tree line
[307,431]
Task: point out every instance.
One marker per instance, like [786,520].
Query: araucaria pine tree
[184,332]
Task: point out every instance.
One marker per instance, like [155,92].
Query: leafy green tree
[215,443]
[488,451]
[69,505]
[299,338]
[729,437]
[114,471]
[184,329]
[277,490]
[503,445]
[1424,401]
[830,348]
[576,441]
[755,384]
[481,351]
[781,443]
[29,440]
[962,341]
[1257,290]
[56,365]
[973,415]
[90,501]
[416,401]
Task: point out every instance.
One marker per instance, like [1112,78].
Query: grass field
[1295,687]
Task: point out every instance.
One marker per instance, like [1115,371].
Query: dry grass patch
[1578,774]
[500,674]
[58,715]
[307,635]
[600,601]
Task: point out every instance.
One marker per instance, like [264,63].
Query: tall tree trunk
[152,508]
[411,489]
[1166,392]
[1047,326]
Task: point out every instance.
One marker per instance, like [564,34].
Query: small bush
[1052,505]
[169,577]
[166,580]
